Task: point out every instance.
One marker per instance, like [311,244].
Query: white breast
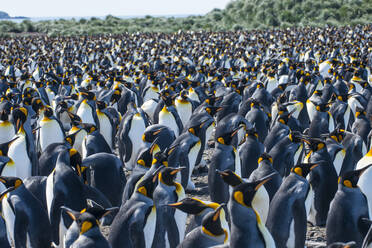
[261,202]
[339,159]
[50,132]
[149,108]
[7,131]
[291,238]
[85,113]
[49,193]
[137,129]
[9,218]
[149,228]
[184,111]
[105,128]
[18,153]
[193,155]
[311,110]
[365,185]
[167,119]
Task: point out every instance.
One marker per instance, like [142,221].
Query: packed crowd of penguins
[108,131]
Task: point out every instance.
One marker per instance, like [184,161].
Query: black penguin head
[145,158]
[229,177]
[244,193]
[89,95]
[4,147]
[193,205]
[296,137]
[19,117]
[226,138]
[196,124]
[116,95]
[36,104]
[350,179]
[323,107]
[11,182]
[75,119]
[70,139]
[89,128]
[48,112]
[265,157]
[317,144]
[101,105]
[211,110]
[167,175]
[211,223]
[153,133]
[337,135]
[97,210]
[304,169]
[147,184]
[360,112]
[85,220]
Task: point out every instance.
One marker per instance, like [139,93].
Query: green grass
[238,15]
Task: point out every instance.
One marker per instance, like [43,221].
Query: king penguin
[170,222]
[289,208]
[348,206]
[26,220]
[51,130]
[209,234]
[245,219]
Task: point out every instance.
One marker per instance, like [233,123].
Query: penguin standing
[87,109]
[184,107]
[106,124]
[26,220]
[168,116]
[135,223]
[289,208]
[94,142]
[170,222]
[224,157]
[90,235]
[7,130]
[22,150]
[209,234]
[51,130]
[245,219]
[348,206]
[131,129]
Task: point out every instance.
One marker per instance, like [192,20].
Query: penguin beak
[155,148]
[155,174]
[73,214]
[158,131]
[177,170]
[361,171]
[264,180]
[222,173]
[236,131]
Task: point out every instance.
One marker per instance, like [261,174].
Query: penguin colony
[108,131]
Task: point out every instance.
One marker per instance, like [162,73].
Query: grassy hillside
[238,14]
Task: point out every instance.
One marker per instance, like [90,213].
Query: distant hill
[4,15]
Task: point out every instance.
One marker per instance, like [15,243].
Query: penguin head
[229,177]
[48,112]
[4,147]
[316,144]
[19,117]
[337,135]
[265,158]
[211,110]
[89,95]
[11,182]
[323,107]
[75,119]
[226,138]
[304,169]
[211,223]
[196,125]
[150,135]
[145,158]
[115,97]
[101,105]
[75,161]
[193,205]
[85,220]
[36,104]
[359,112]
[296,137]
[350,179]
[244,193]
[147,184]
[89,128]
[167,175]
